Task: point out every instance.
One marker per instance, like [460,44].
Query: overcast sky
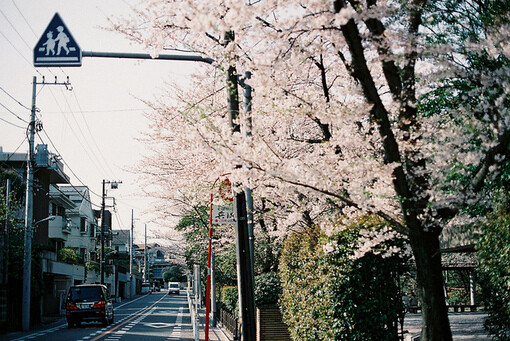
[94,126]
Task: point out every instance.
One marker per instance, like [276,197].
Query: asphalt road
[157,316]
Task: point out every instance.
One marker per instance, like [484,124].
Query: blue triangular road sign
[57,46]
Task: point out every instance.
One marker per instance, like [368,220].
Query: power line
[13,113]
[14,152]
[65,163]
[75,134]
[21,54]
[26,21]
[36,183]
[14,99]
[15,30]
[93,140]
[12,124]
[119,220]
[79,193]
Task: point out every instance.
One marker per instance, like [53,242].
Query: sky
[94,127]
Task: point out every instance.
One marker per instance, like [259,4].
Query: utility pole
[249,196]
[27,264]
[131,255]
[145,258]
[29,198]
[244,259]
[244,272]
[103,223]
[114,185]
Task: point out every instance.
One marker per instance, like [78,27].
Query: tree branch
[490,159]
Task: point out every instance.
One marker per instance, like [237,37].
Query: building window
[83,253]
[83,224]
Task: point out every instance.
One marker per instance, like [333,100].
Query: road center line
[109,331]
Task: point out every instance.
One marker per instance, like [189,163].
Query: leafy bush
[229,299]
[494,270]
[67,255]
[328,294]
[267,289]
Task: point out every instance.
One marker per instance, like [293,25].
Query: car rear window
[174,286]
[85,294]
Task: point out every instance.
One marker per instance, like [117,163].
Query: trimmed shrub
[267,289]
[331,294]
[494,270]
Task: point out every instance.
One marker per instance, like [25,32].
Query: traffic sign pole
[208,287]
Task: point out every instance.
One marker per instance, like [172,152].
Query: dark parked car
[88,302]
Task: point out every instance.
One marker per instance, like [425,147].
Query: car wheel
[111,320]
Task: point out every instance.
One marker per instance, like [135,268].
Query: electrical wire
[35,183]
[119,220]
[98,165]
[12,124]
[65,163]
[99,152]
[26,21]
[14,114]
[21,54]
[14,152]
[93,161]
[14,28]
[14,99]
[77,192]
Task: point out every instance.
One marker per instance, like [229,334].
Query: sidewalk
[465,326]
[215,333]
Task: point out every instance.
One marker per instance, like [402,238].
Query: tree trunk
[425,245]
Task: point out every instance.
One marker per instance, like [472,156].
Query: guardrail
[195,316]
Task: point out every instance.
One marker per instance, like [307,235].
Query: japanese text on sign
[222,215]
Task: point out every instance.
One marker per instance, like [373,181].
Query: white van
[173,288]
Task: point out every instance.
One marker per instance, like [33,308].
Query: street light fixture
[51,217]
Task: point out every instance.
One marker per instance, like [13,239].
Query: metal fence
[229,323]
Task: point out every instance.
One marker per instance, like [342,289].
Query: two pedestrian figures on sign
[62,40]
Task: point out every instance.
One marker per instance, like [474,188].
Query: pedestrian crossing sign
[57,47]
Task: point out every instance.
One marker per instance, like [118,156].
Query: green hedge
[330,295]
[494,269]
[267,291]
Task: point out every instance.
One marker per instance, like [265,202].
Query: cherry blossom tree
[353,114]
